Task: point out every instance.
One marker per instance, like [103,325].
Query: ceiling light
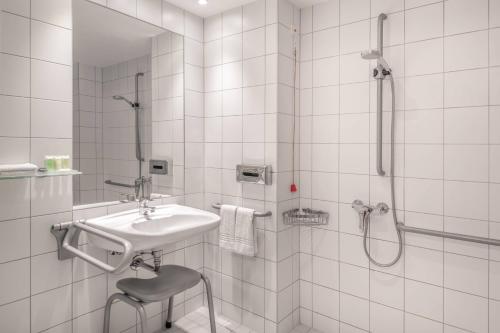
[202,2]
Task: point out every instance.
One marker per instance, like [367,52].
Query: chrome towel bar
[436,233]
[256,214]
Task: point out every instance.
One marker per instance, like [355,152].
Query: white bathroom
[250,166]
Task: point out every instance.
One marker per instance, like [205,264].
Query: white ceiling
[102,37]
[218,6]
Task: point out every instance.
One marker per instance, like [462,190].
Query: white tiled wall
[87,134]
[38,292]
[168,110]
[444,60]
[246,83]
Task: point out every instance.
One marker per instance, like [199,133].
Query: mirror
[128,105]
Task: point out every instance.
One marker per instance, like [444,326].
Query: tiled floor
[198,322]
[304,329]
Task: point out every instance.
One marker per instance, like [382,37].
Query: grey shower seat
[170,281]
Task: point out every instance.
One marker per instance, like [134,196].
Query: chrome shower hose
[366,218]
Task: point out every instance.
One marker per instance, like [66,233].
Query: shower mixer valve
[365,211]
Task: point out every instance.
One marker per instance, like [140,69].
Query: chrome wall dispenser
[254,174]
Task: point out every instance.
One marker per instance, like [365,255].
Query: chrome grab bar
[451,235]
[110,182]
[256,214]
[128,251]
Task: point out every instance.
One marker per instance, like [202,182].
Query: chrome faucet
[365,211]
[143,189]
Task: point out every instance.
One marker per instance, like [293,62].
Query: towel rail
[256,214]
[436,233]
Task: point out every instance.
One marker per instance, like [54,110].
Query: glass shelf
[37,174]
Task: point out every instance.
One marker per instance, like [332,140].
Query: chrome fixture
[451,235]
[67,235]
[254,174]
[136,106]
[365,211]
[143,190]
[256,214]
[379,73]
[305,216]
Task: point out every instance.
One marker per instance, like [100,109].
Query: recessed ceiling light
[202,2]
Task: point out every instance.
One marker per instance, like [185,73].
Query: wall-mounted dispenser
[254,174]
[159,167]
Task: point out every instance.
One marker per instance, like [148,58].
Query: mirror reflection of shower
[137,107]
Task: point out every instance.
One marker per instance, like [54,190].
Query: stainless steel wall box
[255,174]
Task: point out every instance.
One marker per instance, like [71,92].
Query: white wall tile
[51,43]
[44,317]
[461,16]
[424,22]
[424,299]
[15,273]
[15,34]
[57,12]
[20,309]
[16,78]
[14,239]
[467,311]
[466,88]
[466,51]
[60,76]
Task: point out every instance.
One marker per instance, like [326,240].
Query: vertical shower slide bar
[380,48]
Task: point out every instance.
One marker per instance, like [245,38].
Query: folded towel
[244,233]
[227,227]
[18,167]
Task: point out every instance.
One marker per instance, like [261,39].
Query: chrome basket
[305,216]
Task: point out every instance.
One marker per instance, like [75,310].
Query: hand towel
[18,167]
[244,233]
[227,227]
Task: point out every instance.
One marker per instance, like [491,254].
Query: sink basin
[167,224]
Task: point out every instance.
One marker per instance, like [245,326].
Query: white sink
[167,224]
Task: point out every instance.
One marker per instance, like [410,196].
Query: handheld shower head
[375,55]
[121,98]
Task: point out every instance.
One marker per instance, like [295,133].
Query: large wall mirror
[128,105]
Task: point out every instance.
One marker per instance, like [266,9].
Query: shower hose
[366,217]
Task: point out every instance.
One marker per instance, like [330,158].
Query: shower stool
[170,281]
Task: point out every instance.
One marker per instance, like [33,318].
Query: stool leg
[144,318]
[170,312]
[107,311]
[210,303]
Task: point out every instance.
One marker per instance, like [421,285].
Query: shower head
[375,55]
[118,98]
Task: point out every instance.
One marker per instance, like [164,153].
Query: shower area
[397,123]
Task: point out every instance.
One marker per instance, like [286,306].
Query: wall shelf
[37,174]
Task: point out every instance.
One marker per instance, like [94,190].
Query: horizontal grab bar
[110,182]
[128,251]
[436,233]
[256,214]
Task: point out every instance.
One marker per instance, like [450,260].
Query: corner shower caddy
[305,216]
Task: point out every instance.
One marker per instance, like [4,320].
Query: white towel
[236,231]
[227,226]
[18,167]
[244,233]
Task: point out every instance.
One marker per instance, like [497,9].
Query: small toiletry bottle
[49,163]
[57,162]
[65,162]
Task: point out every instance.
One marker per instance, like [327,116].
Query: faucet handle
[362,210]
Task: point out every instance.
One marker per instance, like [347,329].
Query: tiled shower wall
[87,134]
[445,58]
[38,292]
[247,89]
